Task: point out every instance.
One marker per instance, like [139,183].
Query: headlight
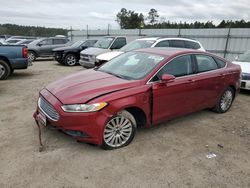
[84,107]
[92,58]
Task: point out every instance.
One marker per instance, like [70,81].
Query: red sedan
[105,105]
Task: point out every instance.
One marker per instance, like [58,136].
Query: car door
[210,80]
[175,98]
[44,47]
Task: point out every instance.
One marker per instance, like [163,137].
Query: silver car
[43,47]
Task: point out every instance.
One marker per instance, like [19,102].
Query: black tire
[5,70]
[11,71]
[61,62]
[31,56]
[70,60]
[225,101]
[126,131]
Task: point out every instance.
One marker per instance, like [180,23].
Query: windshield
[137,44]
[132,65]
[78,43]
[104,42]
[244,57]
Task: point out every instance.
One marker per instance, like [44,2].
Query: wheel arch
[73,53]
[36,54]
[6,60]
[234,89]
[138,113]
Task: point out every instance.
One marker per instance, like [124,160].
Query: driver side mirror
[39,44]
[83,47]
[166,78]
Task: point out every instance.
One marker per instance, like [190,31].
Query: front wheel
[5,70]
[70,60]
[119,131]
[225,101]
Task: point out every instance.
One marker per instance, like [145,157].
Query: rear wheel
[70,60]
[5,70]
[225,101]
[119,131]
[31,56]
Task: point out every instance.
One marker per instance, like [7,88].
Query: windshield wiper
[117,75]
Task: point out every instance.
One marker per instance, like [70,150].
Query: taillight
[25,52]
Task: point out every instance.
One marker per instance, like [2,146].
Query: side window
[205,63]
[191,45]
[177,43]
[220,62]
[119,42]
[46,42]
[180,66]
[164,43]
[59,41]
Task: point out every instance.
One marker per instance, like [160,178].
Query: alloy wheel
[31,56]
[2,70]
[117,131]
[226,100]
[71,60]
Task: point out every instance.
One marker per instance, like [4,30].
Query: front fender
[139,97]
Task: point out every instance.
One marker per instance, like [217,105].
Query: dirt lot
[170,155]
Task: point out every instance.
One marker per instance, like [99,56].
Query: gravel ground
[172,154]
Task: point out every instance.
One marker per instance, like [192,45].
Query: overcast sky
[99,13]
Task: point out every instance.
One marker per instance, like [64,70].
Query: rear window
[205,63]
[60,41]
[192,45]
[177,43]
[220,62]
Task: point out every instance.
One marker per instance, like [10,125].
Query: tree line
[128,19]
[19,30]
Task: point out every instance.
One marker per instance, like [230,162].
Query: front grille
[245,76]
[84,57]
[48,109]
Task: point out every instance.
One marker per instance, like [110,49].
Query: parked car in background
[11,58]
[106,44]
[43,47]
[70,55]
[25,42]
[141,88]
[150,43]
[16,40]
[244,61]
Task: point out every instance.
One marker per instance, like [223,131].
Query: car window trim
[195,73]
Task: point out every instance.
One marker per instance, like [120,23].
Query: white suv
[150,43]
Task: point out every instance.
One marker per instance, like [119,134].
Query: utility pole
[108,30]
[71,33]
[87,32]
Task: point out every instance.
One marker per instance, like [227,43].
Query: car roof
[177,38]
[166,51]
[149,38]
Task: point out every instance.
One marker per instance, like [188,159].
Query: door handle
[222,75]
[191,81]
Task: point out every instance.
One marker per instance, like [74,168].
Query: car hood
[85,85]
[94,51]
[64,48]
[245,66]
[109,55]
